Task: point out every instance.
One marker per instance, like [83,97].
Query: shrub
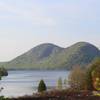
[3,98]
[3,72]
[93,73]
[77,79]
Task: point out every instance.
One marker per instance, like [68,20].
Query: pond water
[19,83]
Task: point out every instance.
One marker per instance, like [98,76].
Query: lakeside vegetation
[82,84]
[3,72]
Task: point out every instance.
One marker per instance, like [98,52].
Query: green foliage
[42,86]
[89,80]
[3,72]
[49,56]
[65,81]
[97,83]
[93,72]
[3,98]
[60,84]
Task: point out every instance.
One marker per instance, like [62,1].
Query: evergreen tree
[65,83]
[42,86]
[60,83]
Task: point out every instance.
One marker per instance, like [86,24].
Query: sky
[27,23]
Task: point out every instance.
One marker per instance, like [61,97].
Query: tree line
[79,78]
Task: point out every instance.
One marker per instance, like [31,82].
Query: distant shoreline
[36,70]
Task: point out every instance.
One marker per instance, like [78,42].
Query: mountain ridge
[50,56]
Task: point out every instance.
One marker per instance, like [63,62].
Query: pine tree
[59,83]
[42,86]
[65,83]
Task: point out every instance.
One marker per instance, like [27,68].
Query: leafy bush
[77,79]
[93,75]
[3,98]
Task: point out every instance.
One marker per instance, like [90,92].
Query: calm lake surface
[19,83]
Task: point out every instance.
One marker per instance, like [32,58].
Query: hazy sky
[27,23]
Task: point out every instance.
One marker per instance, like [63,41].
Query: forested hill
[49,56]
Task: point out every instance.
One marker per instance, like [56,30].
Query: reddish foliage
[60,95]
